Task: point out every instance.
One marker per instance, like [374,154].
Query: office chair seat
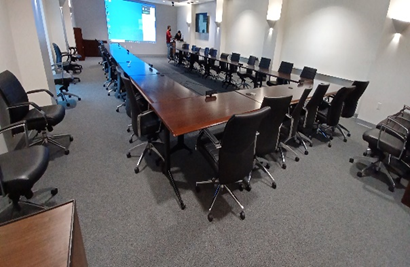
[209,151]
[22,168]
[388,143]
[54,113]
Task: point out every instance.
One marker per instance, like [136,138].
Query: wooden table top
[42,239]
[187,115]
[159,88]
[296,90]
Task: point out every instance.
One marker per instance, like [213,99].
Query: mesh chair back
[223,65]
[285,67]
[206,51]
[59,55]
[269,129]
[308,73]
[235,57]
[296,113]
[264,63]
[335,109]
[352,99]
[238,146]
[313,105]
[213,52]
[13,93]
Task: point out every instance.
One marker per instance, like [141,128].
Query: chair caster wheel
[240,187]
[108,94]
[391,188]
[210,217]
[331,137]
[197,189]
[310,145]
[284,166]
[297,159]
[128,155]
[183,206]
[67,152]
[69,96]
[79,99]
[242,215]
[267,166]
[273,185]
[54,191]
[71,138]
[130,141]
[117,110]
[351,160]
[306,152]
[360,174]
[248,188]
[329,145]
[345,140]
[348,134]
[365,154]
[137,170]
[68,104]
[128,130]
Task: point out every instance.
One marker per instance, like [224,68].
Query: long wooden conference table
[183,111]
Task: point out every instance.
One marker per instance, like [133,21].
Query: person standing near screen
[168,38]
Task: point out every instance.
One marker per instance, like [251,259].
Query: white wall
[204,39]
[339,38]
[54,26]
[389,74]
[184,14]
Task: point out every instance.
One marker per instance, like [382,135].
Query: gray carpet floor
[321,213]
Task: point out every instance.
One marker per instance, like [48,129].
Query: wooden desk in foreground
[49,238]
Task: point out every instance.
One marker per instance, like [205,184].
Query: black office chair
[222,67]
[285,67]
[145,124]
[389,140]
[231,153]
[258,78]
[232,69]
[269,130]
[69,64]
[21,169]
[306,127]
[204,61]
[350,105]
[308,73]
[289,129]
[329,117]
[64,79]
[42,119]
[248,73]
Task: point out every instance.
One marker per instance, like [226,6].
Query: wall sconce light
[400,25]
[271,23]
[218,23]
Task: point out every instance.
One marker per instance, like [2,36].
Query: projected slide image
[129,21]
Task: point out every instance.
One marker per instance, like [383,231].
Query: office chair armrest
[17,125]
[34,105]
[147,112]
[43,91]
[212,137]
[387,127]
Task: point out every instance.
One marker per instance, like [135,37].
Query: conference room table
[183,111]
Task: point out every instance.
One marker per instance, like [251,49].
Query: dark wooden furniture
[79,44]
[51,237]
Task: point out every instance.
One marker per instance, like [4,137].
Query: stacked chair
[388,143]
[231,153]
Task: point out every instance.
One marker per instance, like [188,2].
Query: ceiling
[177,2]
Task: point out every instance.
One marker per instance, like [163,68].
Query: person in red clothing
[168,38]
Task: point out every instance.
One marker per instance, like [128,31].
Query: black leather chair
[306,127]
[248,72]
[21,169]
[308,73]
[68,64]
[145,123]
[42,119]
[211,64]
[329,117]
[221,68]
[388,141]
[258,78]
[269,129]
[204,61]
[350,105]
[289,130]
[232,69]
[231,153]
[285,67]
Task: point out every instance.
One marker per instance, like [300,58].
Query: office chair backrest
[269,129]
[193,48]
[352,99]
[297,111]
[57,51]
[223,65]
[235,57]
[213,52]
[308,73]
[264,63]
[313,104]
[238,145]
[206,51]
[251,62]
[13,93]
[185,46]
[335,109]
[285,67]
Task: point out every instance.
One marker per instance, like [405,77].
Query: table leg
[256,81]
[180,58]
[167,170]
[180,145]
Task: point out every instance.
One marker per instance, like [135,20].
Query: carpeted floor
[321,213]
